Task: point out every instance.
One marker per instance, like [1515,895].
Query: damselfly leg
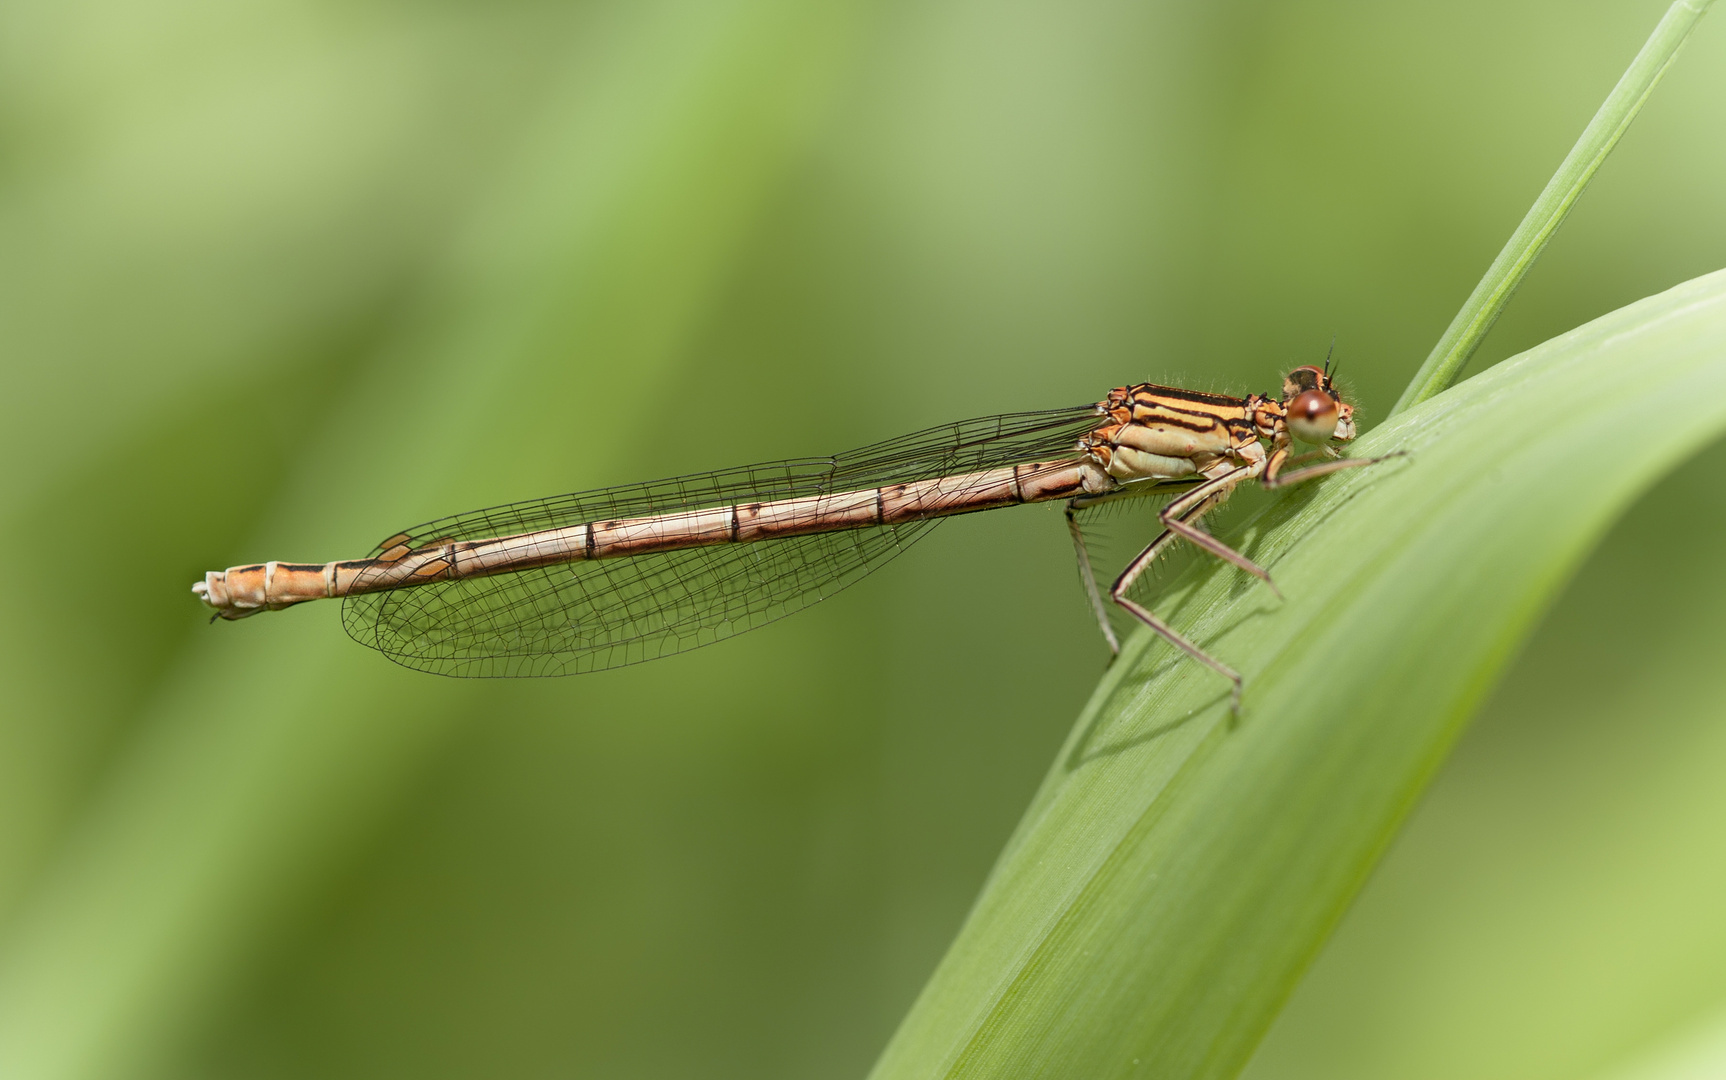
[1088,577]
[1087,572]
[1313,472]
[1182,518]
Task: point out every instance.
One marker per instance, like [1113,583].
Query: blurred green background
[277,279]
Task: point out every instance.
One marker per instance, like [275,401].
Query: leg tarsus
[1173,637]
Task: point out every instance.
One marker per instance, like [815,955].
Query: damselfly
[604,578]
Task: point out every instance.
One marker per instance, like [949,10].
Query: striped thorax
[1167,433]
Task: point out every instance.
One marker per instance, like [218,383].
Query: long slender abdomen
[241,591]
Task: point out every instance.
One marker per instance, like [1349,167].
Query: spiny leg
[1087,574]
[1090,579]
[1155,549]
[1324,452]
[1173,637]
[1188,508]
[1274,478]
[1181,518]
[1182,515]
[1178,516]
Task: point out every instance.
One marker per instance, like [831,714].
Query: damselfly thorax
[604,578]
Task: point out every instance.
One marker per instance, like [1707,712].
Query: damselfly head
[1315,413]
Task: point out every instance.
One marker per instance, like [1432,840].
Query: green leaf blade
[1177,871]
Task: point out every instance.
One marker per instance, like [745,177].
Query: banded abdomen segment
[240,591]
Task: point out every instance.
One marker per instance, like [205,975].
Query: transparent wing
[590,615]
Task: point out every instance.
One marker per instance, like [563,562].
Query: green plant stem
[1471,325]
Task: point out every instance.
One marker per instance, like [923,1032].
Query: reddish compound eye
[1312,416]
